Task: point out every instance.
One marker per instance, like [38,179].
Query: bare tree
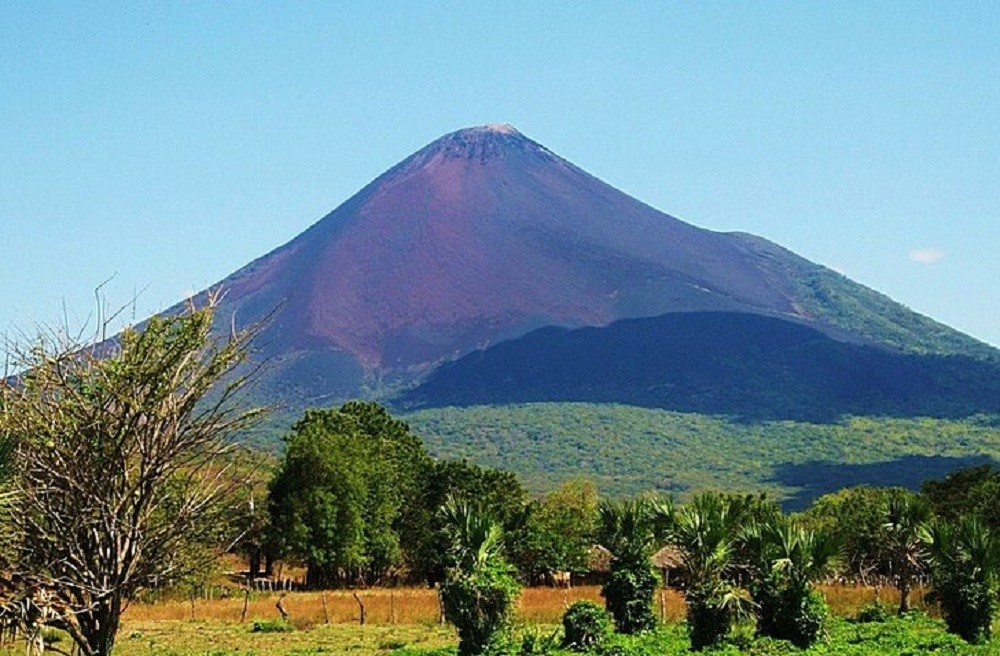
[120,477]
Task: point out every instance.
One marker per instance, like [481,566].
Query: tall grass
[420,605]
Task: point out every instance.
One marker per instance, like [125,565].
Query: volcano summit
[485,236]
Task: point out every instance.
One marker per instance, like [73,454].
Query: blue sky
[163,145]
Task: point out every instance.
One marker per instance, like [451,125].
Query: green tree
[496,492]
[628,530]
[120,478]
[968,491]
[856,517]
[338,499]
[479,590]
[706,533]
[965,575]
[787,559]
[557,532]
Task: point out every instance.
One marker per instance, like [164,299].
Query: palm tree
[705,533]
[787,558]
[628,529]
[903,553]
[479,589]
[965,574]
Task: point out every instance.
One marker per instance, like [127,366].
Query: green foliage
[120,482]
[705,532]
[536,643]
[496,492]
[857,309]
[271,626]
[585,626]
[479,590]
[557,531]
[787,558]
[628,593]
[628,530]
[629,450]
[873,612]
[902,553]
[337,501]
[966,492]
[965,575]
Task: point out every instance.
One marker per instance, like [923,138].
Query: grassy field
[406,621]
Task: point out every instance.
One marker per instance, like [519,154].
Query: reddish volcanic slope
[481,236]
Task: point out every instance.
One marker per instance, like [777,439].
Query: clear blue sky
[168,143]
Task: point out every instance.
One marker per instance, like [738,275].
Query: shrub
[709,616]
[585,625]
[629,596]
[964,575]
[271,626]
[705,533]
[534,643]
[786,559]
[789,612]
[874,612]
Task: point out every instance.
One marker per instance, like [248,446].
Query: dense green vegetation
[857,309]
[908,636]
[627,450]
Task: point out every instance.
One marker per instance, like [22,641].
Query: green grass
[910,636]
[221,638]
[628,450]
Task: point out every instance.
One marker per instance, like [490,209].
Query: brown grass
[847,600]
[382,606]
[420,605]
[305,609]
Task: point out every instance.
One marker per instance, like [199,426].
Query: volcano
[484,237]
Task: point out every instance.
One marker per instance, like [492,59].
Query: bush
[480,605]
[875,612]
[629,596]
[967,605]
[271,626]
[965,575]
[709,618]
[585,625]
[789,612]
[534,643]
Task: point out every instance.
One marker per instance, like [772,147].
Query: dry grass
[305,609]
[847,600]
[382,607]
[396,617]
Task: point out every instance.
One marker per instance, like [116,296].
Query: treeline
[358,501]
[743,561]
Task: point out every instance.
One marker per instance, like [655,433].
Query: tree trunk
[254,564]
[904,597]
[99,626]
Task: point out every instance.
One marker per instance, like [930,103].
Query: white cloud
[926,255]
